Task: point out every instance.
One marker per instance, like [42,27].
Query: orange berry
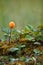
[12,24]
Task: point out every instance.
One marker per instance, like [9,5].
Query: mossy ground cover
[22,47]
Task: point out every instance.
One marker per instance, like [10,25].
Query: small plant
[11,25]
[24,46]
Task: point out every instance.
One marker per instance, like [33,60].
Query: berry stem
[10,36]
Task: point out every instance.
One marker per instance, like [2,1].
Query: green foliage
[38,52]
[22,58]
[39,38]
[13,59]
[5,30]
[36,43]
[39,63]
[28,32]
[13,49]
[20,46]
[29,28]
[28,37]
[1,63]
[22,43]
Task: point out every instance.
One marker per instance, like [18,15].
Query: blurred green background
[22,12]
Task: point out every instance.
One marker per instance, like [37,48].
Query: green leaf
[37,43]
[36,51]
[29,28]
[5,30]
[22,46]
[22,58]
[28,59]
[13,59]
[5,36]
[28,37]
[13,49]
[39,37]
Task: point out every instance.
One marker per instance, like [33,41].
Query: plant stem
[10,36]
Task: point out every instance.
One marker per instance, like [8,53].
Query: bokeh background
[22,12]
